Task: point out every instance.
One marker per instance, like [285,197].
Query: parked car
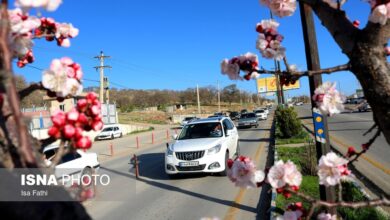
[234,115]
[364,107]
[186,120]
[110,132]
[266,110]
[261,114]
[75,163]
[299,103]
[248,120]
[204,145]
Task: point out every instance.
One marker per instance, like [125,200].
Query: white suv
[204,145]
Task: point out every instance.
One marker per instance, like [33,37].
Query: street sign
[319,127]
[268,84]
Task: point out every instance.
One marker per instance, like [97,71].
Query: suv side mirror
[228,133]
[174,136]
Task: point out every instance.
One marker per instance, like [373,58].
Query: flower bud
[83,143]
[351,151]
[72,115]
[230,163]
[58,119]
[54,132]
[69,131]
[97,125]
[82,105]
[78,133]
[95,110]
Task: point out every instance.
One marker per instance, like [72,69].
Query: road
[155,196]
[346,130]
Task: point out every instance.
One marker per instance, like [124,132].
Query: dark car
[243,111]
[248,120]
[234,115]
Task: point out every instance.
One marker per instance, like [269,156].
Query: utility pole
[219,99]
[101,57]
[197,94]
[313,63]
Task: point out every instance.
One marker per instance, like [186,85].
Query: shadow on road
[255,140]
[187,192]
[256,129]
[152,166]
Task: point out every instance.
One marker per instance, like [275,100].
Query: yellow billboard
[269,85]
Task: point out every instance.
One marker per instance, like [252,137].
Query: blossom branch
[59,154]
[370,130]
[30,89]
[10,87]
[47,141]
[43,36]
[299,74]
[366,146]
[317,203]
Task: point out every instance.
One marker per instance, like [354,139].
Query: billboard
[269,85]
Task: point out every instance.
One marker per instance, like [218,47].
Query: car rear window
[250,115]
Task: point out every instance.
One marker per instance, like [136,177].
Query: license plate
[247,123]
[189,164]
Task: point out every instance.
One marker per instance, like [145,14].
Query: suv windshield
[108,129]
[249,115]
[201,130]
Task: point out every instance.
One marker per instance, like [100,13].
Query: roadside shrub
[287,122]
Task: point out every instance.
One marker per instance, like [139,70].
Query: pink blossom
[326,216]
[232,70]
[380,14]
[269,40]
[49,5]
[331,169]
[282,173]
[62,78]
[244,174]
[328,99]
[291,174]
[281,8]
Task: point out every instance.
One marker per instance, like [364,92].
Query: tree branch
[21,130]
[59,154]
[337,24]
[344,67]
[30,89]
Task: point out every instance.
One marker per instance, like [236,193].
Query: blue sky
[177,44]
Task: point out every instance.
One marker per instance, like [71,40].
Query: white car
[299,103]
[110,132]
[186,120]
[75,163]
[266,110]
[261,114]
[204,145]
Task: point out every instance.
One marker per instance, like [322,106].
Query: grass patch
[302,137]
[143,117]
[352,194]
[309,186]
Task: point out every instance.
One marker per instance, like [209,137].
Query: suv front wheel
[224,172]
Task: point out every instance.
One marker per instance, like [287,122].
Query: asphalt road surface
[155,196]
[346,130]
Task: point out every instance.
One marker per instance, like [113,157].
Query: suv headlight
[214,149]
[169,151]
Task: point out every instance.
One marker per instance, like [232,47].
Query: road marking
[367,158]
[232,211]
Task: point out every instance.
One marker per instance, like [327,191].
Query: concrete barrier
[126,129]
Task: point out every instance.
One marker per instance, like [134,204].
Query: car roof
[207,120]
